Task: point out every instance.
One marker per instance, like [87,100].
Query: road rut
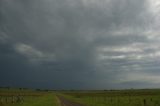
[66,102]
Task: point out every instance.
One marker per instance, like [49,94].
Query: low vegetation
[26,97]
[116,97]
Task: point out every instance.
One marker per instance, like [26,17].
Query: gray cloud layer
[79,44]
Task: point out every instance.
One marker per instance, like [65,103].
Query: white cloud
[102,57]
[34,54]
[124,49]
[139,77]
[154,6]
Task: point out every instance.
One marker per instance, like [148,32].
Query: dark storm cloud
[74,44]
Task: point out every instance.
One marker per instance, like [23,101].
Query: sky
[80,44]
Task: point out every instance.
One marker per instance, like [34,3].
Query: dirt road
[66,102]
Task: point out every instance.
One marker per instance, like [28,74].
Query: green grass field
[16,97]
[116,98]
